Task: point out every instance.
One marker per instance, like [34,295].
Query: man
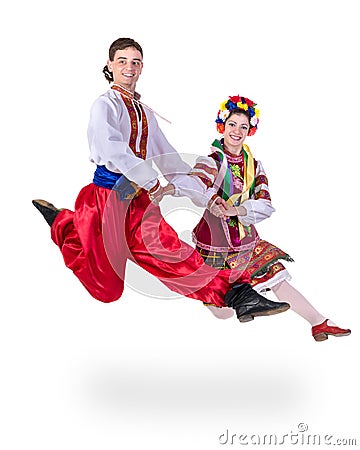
[109,225]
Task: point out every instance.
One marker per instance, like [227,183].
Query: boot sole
[47,210]
[271,312]
[323,336]
[44,204]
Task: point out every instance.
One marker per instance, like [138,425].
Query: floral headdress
[237,102]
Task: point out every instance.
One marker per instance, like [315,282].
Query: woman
[226,236]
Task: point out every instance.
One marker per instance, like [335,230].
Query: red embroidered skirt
[262,263]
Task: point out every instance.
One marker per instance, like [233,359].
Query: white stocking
[221,313]
[298,303]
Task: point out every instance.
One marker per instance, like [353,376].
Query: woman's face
[237,128]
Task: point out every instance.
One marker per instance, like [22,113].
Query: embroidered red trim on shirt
[134,124]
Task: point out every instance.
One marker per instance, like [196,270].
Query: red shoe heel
[320,337]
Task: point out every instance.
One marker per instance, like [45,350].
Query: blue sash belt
[126,189]
[105,178]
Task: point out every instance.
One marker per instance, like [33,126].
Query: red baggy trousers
[104,232]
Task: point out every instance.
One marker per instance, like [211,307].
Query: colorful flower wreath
[237,102]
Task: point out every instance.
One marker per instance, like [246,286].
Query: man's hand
[159,194]
[169,189]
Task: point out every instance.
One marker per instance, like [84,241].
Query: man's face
[126,67]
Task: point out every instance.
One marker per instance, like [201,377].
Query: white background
[147,373]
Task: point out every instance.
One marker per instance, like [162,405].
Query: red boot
[322,331]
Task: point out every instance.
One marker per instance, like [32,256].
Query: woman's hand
[235,211]
[217,207]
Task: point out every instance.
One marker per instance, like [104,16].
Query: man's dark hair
[119,44]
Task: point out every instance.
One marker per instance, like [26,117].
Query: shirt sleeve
[109,147]
[198,184]
[259,207]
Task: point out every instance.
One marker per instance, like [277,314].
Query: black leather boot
[47,209]
[249,304]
